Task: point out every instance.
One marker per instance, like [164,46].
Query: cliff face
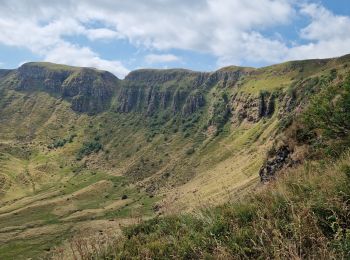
[223,93]
[175,90]
[151,91]
[89,90]
[151,99]
[148,91]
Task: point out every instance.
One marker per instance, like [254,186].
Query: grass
[268,83]
[163,161]
[53,66]
[85,197]
[305,214]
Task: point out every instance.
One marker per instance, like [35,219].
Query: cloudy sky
[121,35]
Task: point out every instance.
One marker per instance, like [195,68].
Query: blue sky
[121,36]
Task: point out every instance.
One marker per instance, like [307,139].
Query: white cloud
[42,31]
[325,25]
[217,27]
[161,58]
[101,33]
[67,53]
[329,34]
[230,30]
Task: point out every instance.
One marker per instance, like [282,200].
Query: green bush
[329,111]
[61,142]
[89,148]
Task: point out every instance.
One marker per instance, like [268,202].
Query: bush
[329,111]
[61,142]
[89,148]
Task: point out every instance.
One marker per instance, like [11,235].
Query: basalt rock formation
[89,90]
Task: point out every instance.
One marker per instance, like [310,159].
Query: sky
[121,36]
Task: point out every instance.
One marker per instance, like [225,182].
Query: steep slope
[304,214]
[79,147]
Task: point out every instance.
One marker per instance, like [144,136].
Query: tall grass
[305,214]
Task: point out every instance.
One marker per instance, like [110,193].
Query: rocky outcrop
[178,100]
[279,160]
[129,99]
[193,103]
[150,91]
[266,104]
[39,76]
[149,100]
[225,77]
[252,108]
[89,90]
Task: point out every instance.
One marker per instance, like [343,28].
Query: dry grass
[303,215]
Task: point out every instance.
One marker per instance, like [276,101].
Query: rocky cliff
[89,90]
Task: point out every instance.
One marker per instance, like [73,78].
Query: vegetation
[61,142]
[151,149]
[305,214]
[330,110]
[89,148]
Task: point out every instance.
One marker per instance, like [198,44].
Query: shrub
[329,111]
[89,148]
[61,142]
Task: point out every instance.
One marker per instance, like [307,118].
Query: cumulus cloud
[43,30]
[101,33]
[230,30]
[67,53]
[324,25]
[161,58]
[329,34]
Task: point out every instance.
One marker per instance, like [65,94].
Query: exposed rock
[251,108]
[129,99]
[245,107]
[165,98]
[226,76]
[152,101]
[91,91]
[178,100]
[38,76]
[280,160]
[266,104]
[193,102]
[88,89]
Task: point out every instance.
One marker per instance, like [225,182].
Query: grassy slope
[305,214]
[43,191]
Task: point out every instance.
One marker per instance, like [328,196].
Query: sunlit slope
[79,146]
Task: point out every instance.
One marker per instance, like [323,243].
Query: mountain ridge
[80,147]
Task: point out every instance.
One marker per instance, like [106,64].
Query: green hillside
[84,153]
